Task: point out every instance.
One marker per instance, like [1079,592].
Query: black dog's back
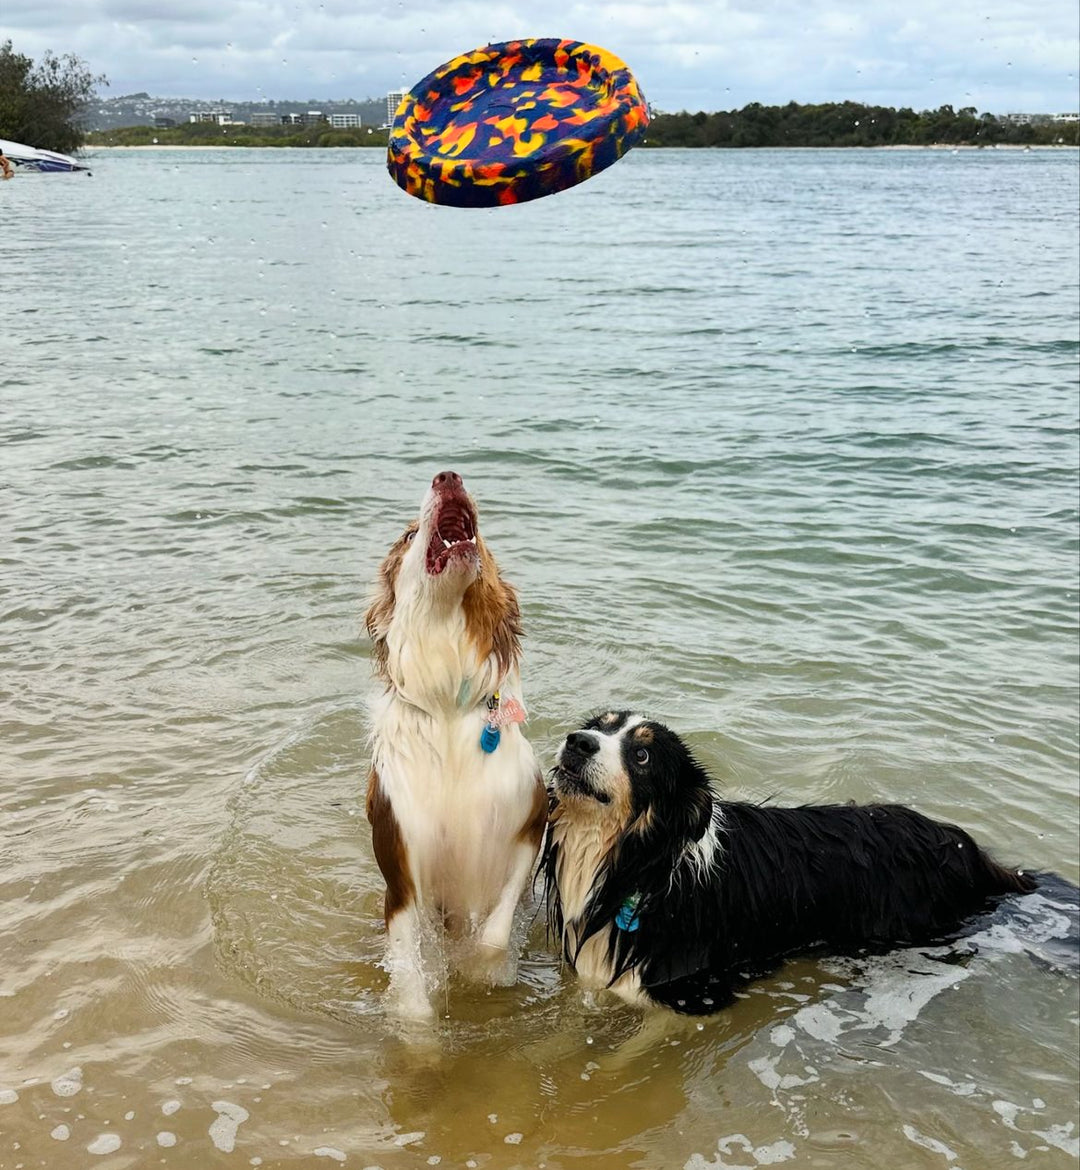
[853,875]
[845,878]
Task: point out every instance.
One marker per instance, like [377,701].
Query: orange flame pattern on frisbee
[515,121]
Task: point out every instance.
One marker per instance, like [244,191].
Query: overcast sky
[997,55]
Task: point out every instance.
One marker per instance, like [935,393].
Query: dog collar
[627,917]
[499,715]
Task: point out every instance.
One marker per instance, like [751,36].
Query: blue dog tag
[489,738]
[627,917]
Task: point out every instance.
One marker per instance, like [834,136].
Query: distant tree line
[41,104]
[850,124]
[830,124]
[207,134]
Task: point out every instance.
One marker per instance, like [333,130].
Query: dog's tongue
[453,529]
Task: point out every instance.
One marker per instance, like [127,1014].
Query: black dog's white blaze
[723,891]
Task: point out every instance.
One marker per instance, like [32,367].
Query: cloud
[694,54]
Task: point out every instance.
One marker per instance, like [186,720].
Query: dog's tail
[1012,881]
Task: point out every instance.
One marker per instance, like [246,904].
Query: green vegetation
[207,134]
[850,124]
[832,124]
[41,104]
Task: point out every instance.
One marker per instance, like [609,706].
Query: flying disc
[515,121]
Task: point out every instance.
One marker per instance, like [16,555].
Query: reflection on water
[779,446]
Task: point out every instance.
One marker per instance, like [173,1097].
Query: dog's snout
[447,481]
[583,743]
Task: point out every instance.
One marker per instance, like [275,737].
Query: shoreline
[885,146]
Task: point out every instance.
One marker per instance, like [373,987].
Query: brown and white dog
[456,801]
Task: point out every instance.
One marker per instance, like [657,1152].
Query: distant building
[262,118]
[393,99]
[345,121]
[1038,119]
[218,117]
[311,118]
[163,123]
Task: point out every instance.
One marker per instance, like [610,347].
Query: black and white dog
[668,895]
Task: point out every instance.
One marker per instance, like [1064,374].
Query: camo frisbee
[515,121]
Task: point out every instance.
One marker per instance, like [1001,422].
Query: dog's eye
[410,534]
[642,756]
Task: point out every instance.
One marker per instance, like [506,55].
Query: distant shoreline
[890,146]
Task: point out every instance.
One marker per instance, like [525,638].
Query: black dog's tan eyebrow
[607,721]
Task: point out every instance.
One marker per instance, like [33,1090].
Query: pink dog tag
[508,711]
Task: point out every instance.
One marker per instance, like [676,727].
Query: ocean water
[780,447]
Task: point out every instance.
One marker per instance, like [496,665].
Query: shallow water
[778,446]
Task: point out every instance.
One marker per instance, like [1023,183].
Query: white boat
[30,158]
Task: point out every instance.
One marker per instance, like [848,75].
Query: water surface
[779,446]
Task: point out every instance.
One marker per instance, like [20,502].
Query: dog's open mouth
[453,533]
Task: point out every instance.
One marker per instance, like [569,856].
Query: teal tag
[627,917]
[489,738]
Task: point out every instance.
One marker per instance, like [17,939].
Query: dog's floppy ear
[697,813]
[688,807]
[380,612]
[492,614]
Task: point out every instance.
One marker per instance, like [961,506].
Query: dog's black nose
[447,479]
[583,743]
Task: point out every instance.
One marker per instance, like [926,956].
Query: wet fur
[456,831]
[729,889]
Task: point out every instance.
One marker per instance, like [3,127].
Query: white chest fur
[584,843]
[430,657]
[459,809]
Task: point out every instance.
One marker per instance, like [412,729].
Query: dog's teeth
[446,543]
